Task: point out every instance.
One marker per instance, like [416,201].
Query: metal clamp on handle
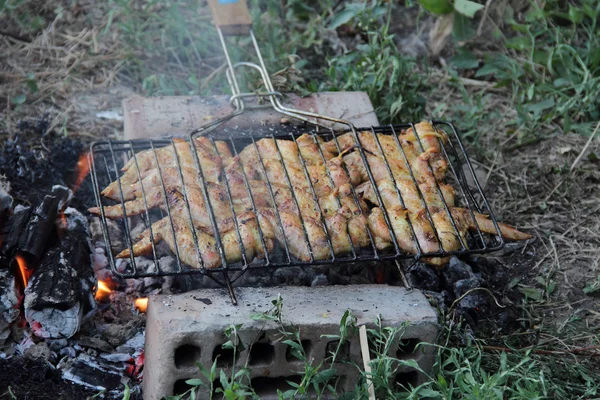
[231,16]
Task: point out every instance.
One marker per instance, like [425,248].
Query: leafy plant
[378,68]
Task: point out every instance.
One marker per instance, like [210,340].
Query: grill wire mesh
[108,157]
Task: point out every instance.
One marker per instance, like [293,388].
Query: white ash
[19,208]
[9,303]
[137,227]
[114,233]
[89,372]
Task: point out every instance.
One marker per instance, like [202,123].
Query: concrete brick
[154,117]
[186,328]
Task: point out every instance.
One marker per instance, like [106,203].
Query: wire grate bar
[253,204]
[398,194]
[146,209]
[386,216]
[275,206]
[293,192]
[314,197]
[184,187]
[167,205]
[232,207]
[336,195]
[355,196]
[441,195]
[208,203]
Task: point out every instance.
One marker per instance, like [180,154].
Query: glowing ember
[25,272]
[141,304]
[102,291]
[82,169]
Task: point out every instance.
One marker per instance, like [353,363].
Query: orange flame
[102,290]
[141,304]
[82,169]
[25,272]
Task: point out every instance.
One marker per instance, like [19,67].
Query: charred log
[29,231]
[59,295]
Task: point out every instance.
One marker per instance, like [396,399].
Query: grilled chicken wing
[426,236]
[175,156]
[182,242]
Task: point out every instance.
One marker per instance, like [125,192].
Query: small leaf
[519,43]
[438,7]
[194,382]
[462,28]
[18,99]
[411,364]
[341,18]
[464,60]
[541,106]
[467,8]
[534,294]
[560,82]
[593,157]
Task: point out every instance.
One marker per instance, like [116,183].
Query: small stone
[56,344]
[320,280]
[68,352]
[95,343]
[39,351]
[116,334]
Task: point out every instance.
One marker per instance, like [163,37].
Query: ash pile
[62,330]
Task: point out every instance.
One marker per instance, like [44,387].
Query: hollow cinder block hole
[290,353]
[404,380]
[187,355]
[262,354]
[180,386]
[225,359]
[266,386]
[343,354]
[407,348]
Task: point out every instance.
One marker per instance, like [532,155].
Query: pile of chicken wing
[262,198]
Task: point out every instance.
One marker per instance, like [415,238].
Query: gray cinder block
[184,329]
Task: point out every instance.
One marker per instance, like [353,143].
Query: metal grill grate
[107,158]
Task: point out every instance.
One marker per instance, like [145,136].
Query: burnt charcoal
[28,232]
[35,160]
[475,300]
[457,270]
[423,276]
[60,291]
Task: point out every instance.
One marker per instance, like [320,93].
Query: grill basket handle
[231,16]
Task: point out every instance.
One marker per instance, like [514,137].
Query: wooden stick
[364,349]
